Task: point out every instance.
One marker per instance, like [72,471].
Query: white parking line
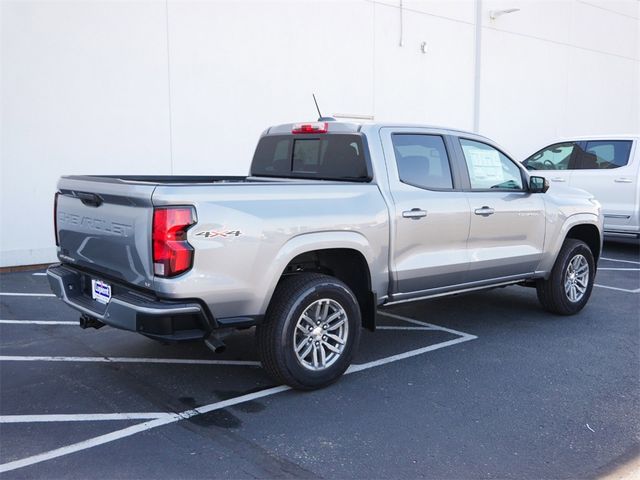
[14,294]
[175,417]
[132,430]
[194,361]
[621,269]
[82,417]
[616,288]
[386,327]
[424,324]
[39,274]
[621,261]
[39,322]
[401,356]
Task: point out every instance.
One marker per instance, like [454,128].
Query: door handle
[623,180]
[484,211]
[414,214]
[558,179]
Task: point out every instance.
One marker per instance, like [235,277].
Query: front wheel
[568,288]
[311,331]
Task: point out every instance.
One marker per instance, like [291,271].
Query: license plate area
[100,291]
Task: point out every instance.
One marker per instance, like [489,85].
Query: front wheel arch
[590,235]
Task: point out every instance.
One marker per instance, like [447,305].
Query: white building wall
[84,89]
[186,87]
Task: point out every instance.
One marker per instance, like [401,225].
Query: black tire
[552,293]
[275,336]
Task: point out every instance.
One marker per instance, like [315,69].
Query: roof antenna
[320,117]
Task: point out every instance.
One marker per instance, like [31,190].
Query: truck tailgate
[104,224]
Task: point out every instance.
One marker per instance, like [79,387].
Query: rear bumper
[130,310]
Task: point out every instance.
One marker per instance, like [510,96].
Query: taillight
[315,127]
[172,254]
[55,218]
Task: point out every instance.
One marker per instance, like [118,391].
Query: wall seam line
[477,66]
[166,3]
[608,10]
[565,44]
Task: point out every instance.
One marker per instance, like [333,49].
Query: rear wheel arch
[347,265]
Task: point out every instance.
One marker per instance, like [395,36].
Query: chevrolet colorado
[334,220]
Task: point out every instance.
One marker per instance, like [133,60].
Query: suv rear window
[600,154]
[327,157]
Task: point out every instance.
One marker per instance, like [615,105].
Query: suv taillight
[55,218]
[172,254]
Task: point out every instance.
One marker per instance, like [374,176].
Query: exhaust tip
[214,344]
[89,322]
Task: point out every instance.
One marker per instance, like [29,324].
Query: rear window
[329,157]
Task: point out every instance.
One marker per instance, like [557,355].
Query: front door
[506,236]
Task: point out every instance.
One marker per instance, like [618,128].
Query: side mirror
[538,184]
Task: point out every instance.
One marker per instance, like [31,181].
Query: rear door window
[604,154]
[422,161]
[553,157]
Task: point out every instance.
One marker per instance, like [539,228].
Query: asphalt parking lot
[486,385]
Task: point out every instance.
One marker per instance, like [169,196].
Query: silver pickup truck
[334,221]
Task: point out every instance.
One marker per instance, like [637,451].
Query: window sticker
[485,165]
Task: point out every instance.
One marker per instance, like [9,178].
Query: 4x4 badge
[216,233]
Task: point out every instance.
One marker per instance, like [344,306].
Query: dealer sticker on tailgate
[100,291]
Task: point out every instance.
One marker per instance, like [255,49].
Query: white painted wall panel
[524,86]
[233,73]
[604,96]
[605,31]
[84,90]
[434,88]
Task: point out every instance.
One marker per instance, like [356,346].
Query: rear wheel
[311,331]
[568,288]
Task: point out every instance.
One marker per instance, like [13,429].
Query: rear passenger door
[506,235]
[431,212]
[604,169]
